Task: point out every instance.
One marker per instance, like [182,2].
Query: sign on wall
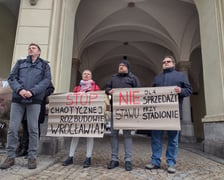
[76,114]
[153,108]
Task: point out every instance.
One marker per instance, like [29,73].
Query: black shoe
[128,166]
[113,164]
[68,161]
[22,152]
[87,163]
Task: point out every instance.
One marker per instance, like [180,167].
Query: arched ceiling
[143,30]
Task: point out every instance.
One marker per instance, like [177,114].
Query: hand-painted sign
[77,114]
[146,108]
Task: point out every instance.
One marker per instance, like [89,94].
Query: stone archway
[144,31]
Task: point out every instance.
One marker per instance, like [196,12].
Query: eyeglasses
[164,62]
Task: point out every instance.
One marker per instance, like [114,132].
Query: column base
[214,135]
[187,139]
[50,145]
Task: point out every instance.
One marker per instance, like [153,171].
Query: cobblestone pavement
[190,165]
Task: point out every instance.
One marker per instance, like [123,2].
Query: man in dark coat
[29,80]
[123,79]
[169,77]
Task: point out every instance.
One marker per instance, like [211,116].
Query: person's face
[86,75]
[33,51]
[168,63]
[122,68]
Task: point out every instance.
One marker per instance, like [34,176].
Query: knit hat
[126,63]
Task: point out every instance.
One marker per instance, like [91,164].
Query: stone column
[59,52]
[211,15]
[187,127]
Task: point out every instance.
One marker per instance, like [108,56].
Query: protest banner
[146,108]
[76,114]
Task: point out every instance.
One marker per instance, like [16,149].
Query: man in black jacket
[29,80]
[169,77]
[123,79]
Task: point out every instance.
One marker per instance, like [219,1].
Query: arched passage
[144,31]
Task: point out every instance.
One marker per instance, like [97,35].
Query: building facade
[96,34]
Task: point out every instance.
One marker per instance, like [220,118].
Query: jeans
[16,115]
[172,147]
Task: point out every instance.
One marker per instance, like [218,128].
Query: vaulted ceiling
[142,30]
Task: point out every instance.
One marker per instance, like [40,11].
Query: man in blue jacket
[123,79]
[29,80]
[169,77]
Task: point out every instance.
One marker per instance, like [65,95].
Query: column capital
[183,65]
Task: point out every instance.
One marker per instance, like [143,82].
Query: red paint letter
[91,97]
[69,99]
[84,94]
[125,100]
[135,97]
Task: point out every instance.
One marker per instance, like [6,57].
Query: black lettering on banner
[149,92]
[81,118]
[74,128]
[149,108]
[127,113]
[168,98]
[59,110]
[161,115]
[77,110]
[100,110]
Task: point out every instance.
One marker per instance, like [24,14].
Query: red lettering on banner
[125,100]
[80,98]
[92,97]
[81,101]
[69,99]
[76,98]
[135,97]
[131,98]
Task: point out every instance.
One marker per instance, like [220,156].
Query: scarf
[86,85]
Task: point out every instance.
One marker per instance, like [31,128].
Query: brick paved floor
[189,166]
